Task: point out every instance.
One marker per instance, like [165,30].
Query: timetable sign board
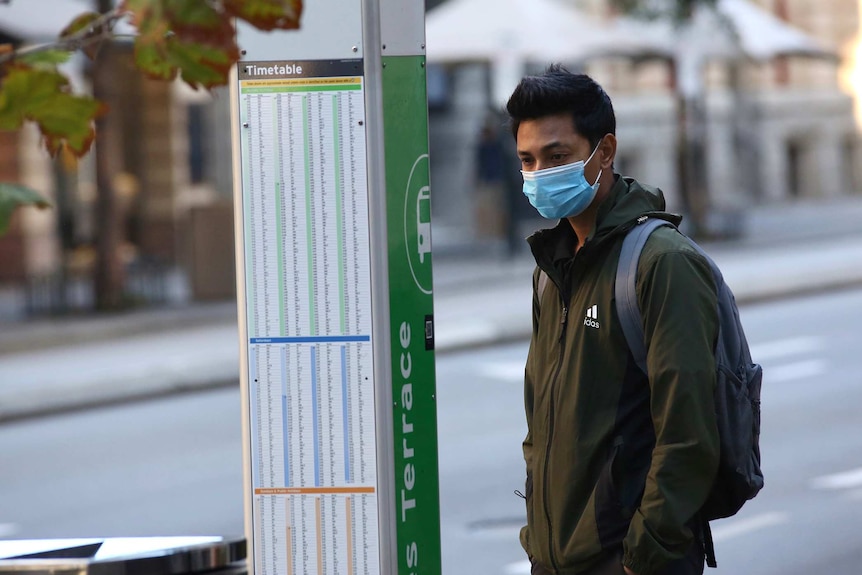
[308,317]
[332,197]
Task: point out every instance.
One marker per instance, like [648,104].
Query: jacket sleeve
[678,302]
[528,408]
[528,382]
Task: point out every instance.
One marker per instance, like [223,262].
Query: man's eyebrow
[545,148]
[551,145]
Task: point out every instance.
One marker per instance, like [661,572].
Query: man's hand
[629,571]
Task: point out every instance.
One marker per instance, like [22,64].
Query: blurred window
[794,168]
[439,86]
[197,135]
[848,164]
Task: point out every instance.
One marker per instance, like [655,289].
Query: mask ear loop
[591,157]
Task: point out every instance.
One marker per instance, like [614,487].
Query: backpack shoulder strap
[631,321]
[625,293]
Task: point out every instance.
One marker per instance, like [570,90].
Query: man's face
[551,141]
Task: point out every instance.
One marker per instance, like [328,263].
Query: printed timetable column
[311,372]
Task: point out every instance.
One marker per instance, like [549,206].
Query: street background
[480,298]
[81,457]
[126,422]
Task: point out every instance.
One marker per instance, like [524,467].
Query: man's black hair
[558,91]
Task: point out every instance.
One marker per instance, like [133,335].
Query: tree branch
[99,30]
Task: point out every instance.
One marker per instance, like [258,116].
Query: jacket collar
[627,201]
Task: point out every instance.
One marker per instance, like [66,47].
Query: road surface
[172,466]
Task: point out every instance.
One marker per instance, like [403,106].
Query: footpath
[480,299]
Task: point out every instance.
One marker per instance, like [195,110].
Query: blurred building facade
[169,159]
[775,131]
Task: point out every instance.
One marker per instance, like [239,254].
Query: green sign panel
[405,121]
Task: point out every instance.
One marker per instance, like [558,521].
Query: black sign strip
[282,69]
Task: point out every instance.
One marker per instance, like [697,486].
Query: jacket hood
[627,201]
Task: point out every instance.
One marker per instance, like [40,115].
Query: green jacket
[615,459]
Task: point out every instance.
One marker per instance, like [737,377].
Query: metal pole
[377,215]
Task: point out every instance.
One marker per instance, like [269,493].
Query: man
[618,464]
[490,215]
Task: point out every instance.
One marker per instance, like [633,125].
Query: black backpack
[738,379]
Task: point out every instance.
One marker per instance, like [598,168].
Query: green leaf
[266,14]
[47,57]
[11,197]
[188,38]
[80,23]
[197,40]
[198,64]
[193,15]
[93,33]
[44,97]
[152,59]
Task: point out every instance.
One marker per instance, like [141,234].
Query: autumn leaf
[197,40]
[266,14]
[197,63]
[79,24]
[91,33]
[44,96]
[195,20]
[188,38]
[11,197]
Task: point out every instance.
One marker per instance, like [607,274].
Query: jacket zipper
[564,324]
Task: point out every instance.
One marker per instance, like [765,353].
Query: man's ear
[607,151]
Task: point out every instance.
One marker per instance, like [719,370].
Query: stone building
[775,131]
[786,132]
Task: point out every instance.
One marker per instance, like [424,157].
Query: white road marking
[844,480]
[513,371]
[519,568]
[734,528]
[783,347]
[796,370]
[8,529]
[728,529]
[507,532]
[508,371]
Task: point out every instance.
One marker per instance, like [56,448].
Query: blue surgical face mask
[561,191]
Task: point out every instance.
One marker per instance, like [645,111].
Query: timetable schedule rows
[308,315]
[314,427]
[316,532]
[306,211]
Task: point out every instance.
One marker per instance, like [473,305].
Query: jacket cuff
[637,566]
[643,553]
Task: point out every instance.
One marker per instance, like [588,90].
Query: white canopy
[509,33]
[763,36]
[550,30]
[739,28]
[526,30]
[735,29]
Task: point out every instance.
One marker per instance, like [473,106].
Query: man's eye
[526,161]
[557,157]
